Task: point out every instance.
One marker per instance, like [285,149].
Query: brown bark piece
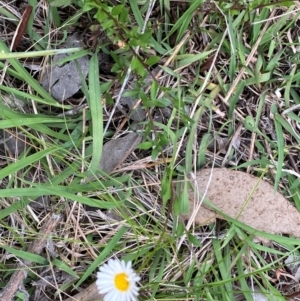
[246,198]
[89,294]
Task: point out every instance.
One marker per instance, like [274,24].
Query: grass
[221,74]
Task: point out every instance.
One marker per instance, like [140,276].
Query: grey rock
[63,81]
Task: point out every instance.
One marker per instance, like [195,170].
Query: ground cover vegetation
[159,90]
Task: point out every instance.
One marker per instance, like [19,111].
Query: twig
[36,247]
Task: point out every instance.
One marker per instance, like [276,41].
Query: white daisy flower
[117,281]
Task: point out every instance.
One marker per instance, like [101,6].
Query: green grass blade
[95,104]
[25,255]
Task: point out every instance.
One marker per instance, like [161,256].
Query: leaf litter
[245,198]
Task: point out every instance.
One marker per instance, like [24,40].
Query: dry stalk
[36,247]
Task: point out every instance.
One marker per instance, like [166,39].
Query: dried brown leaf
[116,151]
[245,198]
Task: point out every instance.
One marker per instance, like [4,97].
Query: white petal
[127,297]
[113,295]
[105,290]
[129,267]
[105,282]
[134,290]
[131,296]
[115,265]
[123,265]
[104,269]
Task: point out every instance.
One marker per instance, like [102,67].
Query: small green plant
[124,33]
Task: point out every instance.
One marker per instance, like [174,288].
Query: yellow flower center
[121,282]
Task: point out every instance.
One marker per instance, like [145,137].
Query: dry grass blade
[37,246]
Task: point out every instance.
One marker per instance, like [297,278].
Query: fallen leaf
[245,198]
[116,151]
